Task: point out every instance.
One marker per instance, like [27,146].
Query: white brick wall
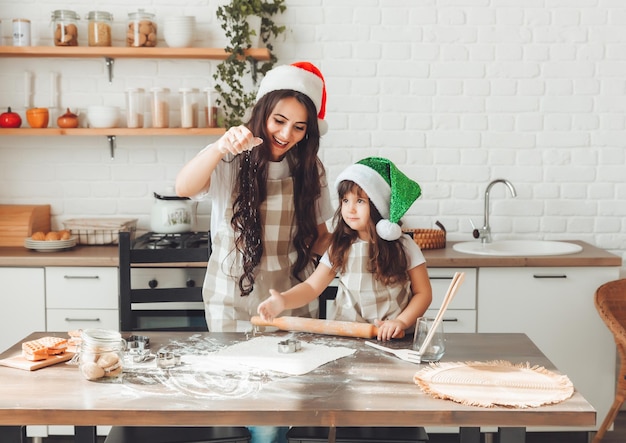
[456,93]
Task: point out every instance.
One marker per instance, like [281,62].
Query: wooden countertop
[435,258]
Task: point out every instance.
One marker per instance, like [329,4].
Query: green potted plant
[232,73]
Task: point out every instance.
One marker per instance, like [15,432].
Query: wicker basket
[429,238]
[100,231]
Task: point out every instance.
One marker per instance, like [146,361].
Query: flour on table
[262,353]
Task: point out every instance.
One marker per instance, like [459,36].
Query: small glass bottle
[188,108]
[160,107]
[210,108]
[99,28]
[21,32]
[134,107]
[65,27]
[142,29]
[101,356]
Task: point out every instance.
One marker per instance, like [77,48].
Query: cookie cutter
[289,346]
[138,347]
[166,359]
[140,342]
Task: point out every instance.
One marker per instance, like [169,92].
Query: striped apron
[363,299]
[225,309]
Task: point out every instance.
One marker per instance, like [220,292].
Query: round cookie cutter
[289,346]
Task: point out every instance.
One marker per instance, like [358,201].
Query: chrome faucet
[484,233]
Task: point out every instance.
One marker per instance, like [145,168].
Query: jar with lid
[160,107]
[188,108]
[65,27]
[101,355]
[142,29]
[99,28]
[210,108]
[134,107]
[21,32]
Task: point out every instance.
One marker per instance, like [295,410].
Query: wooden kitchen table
[367,388]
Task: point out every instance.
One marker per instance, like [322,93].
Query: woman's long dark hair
[387,259]
[251,189]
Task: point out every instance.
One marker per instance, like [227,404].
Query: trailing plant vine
[231,74]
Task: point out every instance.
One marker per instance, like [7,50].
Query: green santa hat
[391,192]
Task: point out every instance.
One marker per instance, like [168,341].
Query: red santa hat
[303,77]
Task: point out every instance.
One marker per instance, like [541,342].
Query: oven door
[168,313]
[169,316]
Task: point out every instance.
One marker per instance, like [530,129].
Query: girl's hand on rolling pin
[237,139]
[272,306]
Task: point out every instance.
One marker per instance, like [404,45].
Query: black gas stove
[155,247]
[184,240]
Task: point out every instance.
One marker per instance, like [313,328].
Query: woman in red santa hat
[269,196]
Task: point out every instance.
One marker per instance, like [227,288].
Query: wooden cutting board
[17,222]
[19,362]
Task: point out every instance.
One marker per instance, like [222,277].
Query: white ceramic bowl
[179,32]
[103,116]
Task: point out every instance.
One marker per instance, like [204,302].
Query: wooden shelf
[112,131]
[125,52]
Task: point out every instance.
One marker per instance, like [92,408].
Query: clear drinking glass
[437,347]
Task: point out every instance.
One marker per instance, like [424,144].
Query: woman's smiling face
[286,126]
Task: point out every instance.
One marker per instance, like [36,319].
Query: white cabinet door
[23,304]
[555,308]
[461,314]
[82,298]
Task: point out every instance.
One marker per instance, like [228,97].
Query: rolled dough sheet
[262,353]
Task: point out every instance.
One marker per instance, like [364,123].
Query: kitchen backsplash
[456,93]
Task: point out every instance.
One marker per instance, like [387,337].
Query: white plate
[50,245]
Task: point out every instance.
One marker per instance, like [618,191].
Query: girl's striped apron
[363,299]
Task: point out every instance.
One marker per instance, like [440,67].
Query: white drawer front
[440,279]
[70,319]
[455,320]
[82,288]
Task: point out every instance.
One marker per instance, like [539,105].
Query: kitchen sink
[518,248]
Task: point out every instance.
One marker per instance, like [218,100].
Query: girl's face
[286,126]
[355,211]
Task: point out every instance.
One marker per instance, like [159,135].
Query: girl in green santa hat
[382,273]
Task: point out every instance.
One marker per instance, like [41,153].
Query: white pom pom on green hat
[391,192]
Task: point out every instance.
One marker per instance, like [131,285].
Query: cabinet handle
[79,277]
[550,276]
[81,319]
[440,278]
[454,319]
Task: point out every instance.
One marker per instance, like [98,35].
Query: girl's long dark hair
[387,259]
[251,189]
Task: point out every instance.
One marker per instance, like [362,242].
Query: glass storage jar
[65,27]
[99,28]
[134,107]
[188,108]
[160,107]
[101,355]
[210,108]
[142,29]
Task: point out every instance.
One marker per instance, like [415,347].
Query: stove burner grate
[185,240]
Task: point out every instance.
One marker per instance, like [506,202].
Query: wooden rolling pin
[316,326]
